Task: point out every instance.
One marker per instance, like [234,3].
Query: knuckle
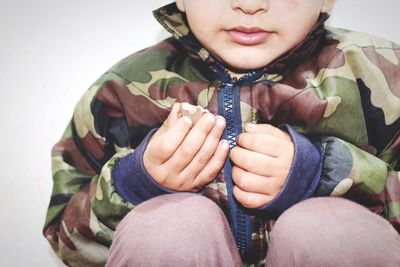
[183,186]
[187,151]
[247,201]
[282,185]
[291,152]
[241,181]
[162,177]
[194,189]
[220,160]
[268,128]
[233,152]
[276,188]
[196,185]
[252,140]
[246,140]
[163,149]
[249,164]
[212,172]
[203,157]
[285,174]
[240,138]
[284,171]
[286,136]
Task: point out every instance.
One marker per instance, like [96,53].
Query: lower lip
[248,39]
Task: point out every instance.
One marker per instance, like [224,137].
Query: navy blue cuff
[304,174]
[131,180]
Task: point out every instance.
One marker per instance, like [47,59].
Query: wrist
[131,179]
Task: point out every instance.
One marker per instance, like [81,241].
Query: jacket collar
[174,21]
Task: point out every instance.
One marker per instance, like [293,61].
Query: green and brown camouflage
[344,90]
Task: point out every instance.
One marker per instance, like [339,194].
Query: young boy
[294,115]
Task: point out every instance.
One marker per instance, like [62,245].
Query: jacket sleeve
[371,180]
[85,208]
[364,73]
[359,133]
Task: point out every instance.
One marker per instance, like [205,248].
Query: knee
[314,211]
[323,216]
[168,217]
[181,208]
[307,222]
[320,229]
[168,230]
[327,213]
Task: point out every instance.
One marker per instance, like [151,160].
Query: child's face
[249,34]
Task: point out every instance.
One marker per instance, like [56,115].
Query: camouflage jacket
[338,88]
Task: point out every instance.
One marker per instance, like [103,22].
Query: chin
[245,61]
[246,65]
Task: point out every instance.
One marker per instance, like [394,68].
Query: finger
[163,146]
[214,166]
[251,182]
[265,144]
[251,200]
[259,164]
[172,117]
[207,150]
[192,143]
[267,129]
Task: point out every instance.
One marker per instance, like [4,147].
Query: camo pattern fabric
[346,92]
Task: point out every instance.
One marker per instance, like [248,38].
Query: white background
[50,53]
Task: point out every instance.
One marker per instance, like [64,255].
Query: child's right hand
[186,157]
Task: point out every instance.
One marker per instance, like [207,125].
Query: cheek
[289,5]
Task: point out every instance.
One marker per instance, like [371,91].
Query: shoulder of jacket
[158,57]
[345,52]
[346,39]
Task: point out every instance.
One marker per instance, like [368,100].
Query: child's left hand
[262,160]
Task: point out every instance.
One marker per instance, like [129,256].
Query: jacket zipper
[228,106]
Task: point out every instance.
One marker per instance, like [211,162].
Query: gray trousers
[190,230]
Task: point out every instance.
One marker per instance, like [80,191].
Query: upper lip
[245,29]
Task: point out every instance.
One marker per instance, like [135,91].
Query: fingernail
[220,120]
[250,126]
[225,144]
[210,116]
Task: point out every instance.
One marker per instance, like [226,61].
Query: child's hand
[262,162]
[186,157]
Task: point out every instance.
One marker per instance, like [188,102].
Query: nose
[250,7]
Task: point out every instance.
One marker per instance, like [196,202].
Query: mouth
[248,36]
